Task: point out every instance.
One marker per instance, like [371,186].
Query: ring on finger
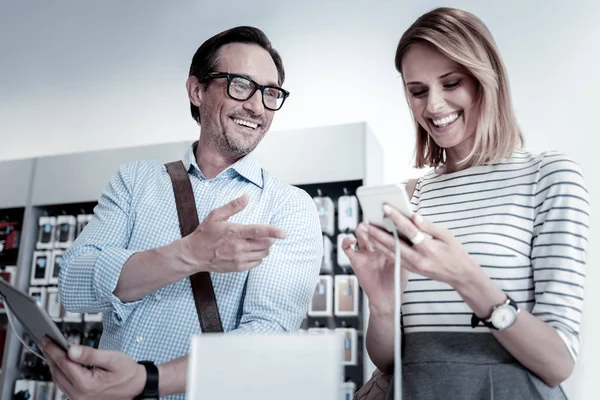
[418,238]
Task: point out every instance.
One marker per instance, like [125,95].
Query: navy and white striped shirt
[525,220]
[137,212]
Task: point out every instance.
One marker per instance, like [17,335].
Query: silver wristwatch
[503,316]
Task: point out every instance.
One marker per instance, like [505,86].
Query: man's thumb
[89,356]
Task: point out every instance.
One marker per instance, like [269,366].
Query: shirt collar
[247,166]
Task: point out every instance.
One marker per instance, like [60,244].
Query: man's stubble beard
[225,142]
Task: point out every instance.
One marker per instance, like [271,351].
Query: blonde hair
[464,38]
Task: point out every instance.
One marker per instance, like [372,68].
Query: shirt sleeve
[90,269]
[559,245]
[280,289]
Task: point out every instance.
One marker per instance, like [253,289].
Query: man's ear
[194,89]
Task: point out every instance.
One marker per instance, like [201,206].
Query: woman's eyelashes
[451,85]
[420,92]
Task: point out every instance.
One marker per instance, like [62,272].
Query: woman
[492,300]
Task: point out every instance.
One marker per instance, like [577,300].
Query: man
[259,238]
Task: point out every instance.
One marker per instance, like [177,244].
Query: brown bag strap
[204,295]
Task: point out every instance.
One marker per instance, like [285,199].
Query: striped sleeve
[559,244]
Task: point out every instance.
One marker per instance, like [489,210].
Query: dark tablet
[35,320]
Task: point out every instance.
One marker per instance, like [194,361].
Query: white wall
[79,76]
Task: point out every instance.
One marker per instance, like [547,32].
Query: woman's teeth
[447,120]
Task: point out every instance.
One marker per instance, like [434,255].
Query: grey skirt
[457,365]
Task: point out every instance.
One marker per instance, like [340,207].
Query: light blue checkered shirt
[137,212]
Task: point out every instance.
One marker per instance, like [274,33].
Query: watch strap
[475,320]
[151,388]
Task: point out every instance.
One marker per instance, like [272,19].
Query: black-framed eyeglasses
[241,88]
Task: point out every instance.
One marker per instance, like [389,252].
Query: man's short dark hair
[206,57]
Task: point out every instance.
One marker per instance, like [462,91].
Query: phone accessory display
[51,235]
[54,306]
[92,338]
[327,262]
[82,221]
[59,395]
[321,304]
[40,295]
[10,238]
[40,267]
[342,259]
[319,331]
[346,296]
[29,360]
[24,390]
[350,345]
[66,226]
[326,210]
[347,213]
[8,274]
[73,336]
[92,317]
[44,390]
[69,316]
[302,332]
[46,232]
[55,260]
[348,390]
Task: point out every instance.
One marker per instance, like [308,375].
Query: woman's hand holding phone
[373,268]
[437,255]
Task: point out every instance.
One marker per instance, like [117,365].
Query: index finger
[362,237]
[261,231]
[228,210]
[403,224]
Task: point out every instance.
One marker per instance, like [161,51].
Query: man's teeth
[245,123]
[446,120]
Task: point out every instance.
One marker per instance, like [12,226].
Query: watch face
[504,317]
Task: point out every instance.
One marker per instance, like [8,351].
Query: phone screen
[63,235]
[56,269]
[46,233]
[372,199]
[40,267]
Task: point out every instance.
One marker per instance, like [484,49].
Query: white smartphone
[372,199]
